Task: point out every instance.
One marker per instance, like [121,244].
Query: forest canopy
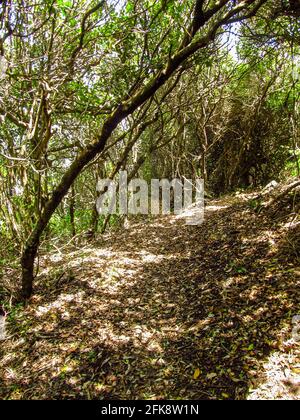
[160,88]
[181,118]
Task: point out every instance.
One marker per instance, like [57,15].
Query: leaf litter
[163,311]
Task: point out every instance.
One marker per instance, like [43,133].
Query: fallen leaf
[197,373]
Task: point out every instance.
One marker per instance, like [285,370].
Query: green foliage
[293,163]
[81,62]
[61,224]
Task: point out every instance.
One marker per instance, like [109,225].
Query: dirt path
[161,310]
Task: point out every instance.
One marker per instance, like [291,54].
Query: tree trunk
[72,212]
[94,221]
[33,242]
[186,50]
[27,262]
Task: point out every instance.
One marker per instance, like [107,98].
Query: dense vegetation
[160,88]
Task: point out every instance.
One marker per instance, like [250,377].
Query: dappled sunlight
[60,303]
[147,257]
[137,317]
[281,375]
[149,199]
[214,208]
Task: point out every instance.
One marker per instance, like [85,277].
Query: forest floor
[163,310]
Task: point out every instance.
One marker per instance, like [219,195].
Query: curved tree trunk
[72,211]
[33,242]
[188,47]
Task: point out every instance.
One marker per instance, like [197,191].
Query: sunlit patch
[138,316]
[281,377]
[73,381]
[147,257]
[10,374]
[214,208]
[60,303]
[55,258]
[8,358]
[103,253]
[291,225]
[108,335]
[230,281]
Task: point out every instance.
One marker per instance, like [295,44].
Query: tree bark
[188,47]
[72,211]
[32,244]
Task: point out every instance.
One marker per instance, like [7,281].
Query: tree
[70,47]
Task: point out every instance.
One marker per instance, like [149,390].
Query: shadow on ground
[162,310]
